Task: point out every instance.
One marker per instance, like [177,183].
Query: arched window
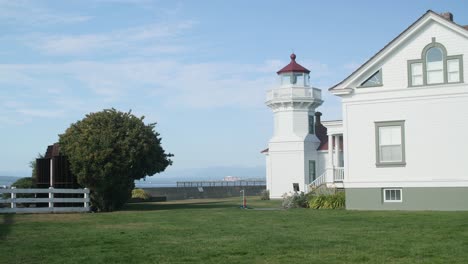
[435,67]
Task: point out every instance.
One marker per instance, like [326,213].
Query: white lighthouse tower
[291,158]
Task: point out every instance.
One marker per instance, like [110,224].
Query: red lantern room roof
[293,66]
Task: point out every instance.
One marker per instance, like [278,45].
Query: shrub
[295,200]
[328,201]
[23,183]
[108,151]
[265,195]
[140,194]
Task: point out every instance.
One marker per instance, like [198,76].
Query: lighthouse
[291,157]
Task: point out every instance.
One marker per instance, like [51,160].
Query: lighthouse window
[311,125]
[286,79]
[297,78]
[294,79]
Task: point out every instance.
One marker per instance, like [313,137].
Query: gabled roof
[374,59]
[52,151]
[293,66]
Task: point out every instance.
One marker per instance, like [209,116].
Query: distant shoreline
[8,180]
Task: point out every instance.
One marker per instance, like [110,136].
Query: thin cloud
[95,85]
[153,38]
[31,112]
[25,12]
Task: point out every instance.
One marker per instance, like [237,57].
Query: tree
[108,151]
[32,165]
[24,183]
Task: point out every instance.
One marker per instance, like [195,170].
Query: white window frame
[384,193]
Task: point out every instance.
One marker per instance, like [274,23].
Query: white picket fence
[51,200]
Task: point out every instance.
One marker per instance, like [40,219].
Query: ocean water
[7,180]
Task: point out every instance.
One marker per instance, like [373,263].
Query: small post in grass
[243,201]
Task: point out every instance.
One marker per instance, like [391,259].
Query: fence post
[51,196]
[13,198]
[86,196]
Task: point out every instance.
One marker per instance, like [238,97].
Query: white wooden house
[405,119]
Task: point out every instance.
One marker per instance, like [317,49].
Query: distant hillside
[8,180]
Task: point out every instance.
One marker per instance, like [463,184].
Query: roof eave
[393,43]
[342,91]
[286,71]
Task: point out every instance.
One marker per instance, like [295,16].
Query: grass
[217,231]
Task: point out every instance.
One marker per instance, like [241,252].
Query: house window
[312,175]
[453,70]
[390,143]
[374,80]
[435,67]
[392,195]
[417,74]
[311,124]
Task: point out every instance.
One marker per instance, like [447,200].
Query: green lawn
[217,231]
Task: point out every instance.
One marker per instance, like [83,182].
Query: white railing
[13,201]
[338,174]
[294,92]
[322,179]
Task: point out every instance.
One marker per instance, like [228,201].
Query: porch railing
[322,179]
[338,174]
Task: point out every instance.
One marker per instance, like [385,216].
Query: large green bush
[108,151]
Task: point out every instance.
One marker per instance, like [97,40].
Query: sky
[200,69]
